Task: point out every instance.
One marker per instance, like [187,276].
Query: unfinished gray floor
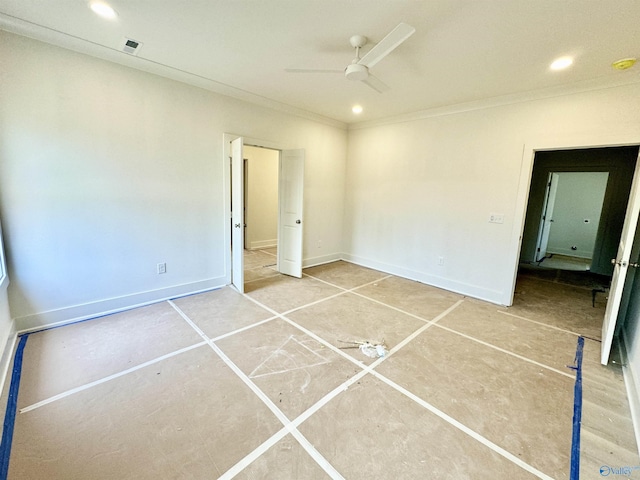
[259,385]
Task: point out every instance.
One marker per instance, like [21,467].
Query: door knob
[634,265]
[298,222]
[622,263]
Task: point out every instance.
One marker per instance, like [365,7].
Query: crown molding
[70,42]
[80,45]
[627,78]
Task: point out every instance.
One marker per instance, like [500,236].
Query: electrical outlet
[440,261]
[319,243]
[162,268]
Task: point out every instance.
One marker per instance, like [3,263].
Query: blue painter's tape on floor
[577,413]
[12,406]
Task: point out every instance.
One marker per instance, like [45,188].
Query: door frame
[4,277]
[227,138]
[545,222]
[237,213]
[526,174]
[586,140]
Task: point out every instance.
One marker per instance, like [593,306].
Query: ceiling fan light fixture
[355,71]
[358,41]
[358,70]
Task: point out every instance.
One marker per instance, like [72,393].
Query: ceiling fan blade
[387,45]
[375,83]
[306,70]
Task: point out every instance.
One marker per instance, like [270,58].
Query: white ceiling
[462,51]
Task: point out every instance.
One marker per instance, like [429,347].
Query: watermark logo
[607,470]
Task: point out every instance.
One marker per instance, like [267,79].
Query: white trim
[227,138]
[570,253]
[467,289]
[7,355]
[86,311]
[582,141]
[260,244]
[4,278]
[322,260]
[504,100]
[633,389]
[63,40]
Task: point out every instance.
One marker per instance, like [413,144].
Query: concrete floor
[261,385]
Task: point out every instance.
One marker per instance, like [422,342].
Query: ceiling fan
[358,69]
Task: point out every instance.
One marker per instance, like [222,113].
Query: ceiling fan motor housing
[355,71]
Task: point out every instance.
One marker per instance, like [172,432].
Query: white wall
[261,207]
[579,197]
[424,188]
[106,171]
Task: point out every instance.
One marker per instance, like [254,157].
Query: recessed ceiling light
[624,63]
[104,10]
[561,63]
[357,109]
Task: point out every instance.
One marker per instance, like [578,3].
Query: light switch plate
[496,218]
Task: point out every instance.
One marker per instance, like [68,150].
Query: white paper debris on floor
[373,351]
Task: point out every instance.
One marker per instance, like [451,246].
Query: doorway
[290,208]
[577,205]
[261,170]
[570,220]
[618,218]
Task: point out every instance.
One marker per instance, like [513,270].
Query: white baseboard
[467,289]
[257,245]
[321,260]
[75,313]
[570,253]
[7,355]
[633,389]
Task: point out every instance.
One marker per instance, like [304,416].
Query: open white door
[547,216]
[291,197]
[237,215]
[621,265]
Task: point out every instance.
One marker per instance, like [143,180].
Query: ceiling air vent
[130,46]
